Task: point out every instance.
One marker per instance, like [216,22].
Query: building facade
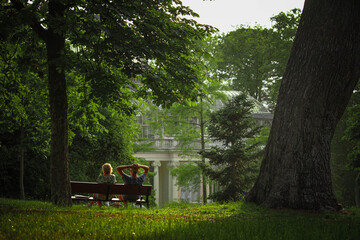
[164,156]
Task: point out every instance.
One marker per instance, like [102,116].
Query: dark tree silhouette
[323,69]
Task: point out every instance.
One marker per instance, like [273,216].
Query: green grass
[39,220]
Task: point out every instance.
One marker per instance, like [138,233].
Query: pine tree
[233,163]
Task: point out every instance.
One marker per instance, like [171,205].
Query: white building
[165,156]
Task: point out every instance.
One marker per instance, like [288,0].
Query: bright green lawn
[39,220]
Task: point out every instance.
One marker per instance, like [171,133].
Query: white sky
[227,14]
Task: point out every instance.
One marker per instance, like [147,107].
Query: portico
[162,160]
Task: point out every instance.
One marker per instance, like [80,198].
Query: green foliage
[36,172]
[153,42]
[352,134]
[182,121]
[345,155]
[244,57]
[254,58]
[284,30]
[39,220]
[286,24]
[23,103]
[90,149]
[187,175]
[98,132]
[115,53]
[260,139]
[184,124]
[233,164]
[23,88]
[342,176]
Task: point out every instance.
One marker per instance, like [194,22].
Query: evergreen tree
[233,163]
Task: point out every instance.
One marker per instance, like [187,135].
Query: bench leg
[98,203]
[123,202]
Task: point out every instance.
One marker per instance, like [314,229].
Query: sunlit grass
[39,220]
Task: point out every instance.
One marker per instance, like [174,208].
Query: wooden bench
[108,190]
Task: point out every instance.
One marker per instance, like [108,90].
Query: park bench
[108,190]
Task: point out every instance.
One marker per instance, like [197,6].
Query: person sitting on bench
[105,177]
[133,179]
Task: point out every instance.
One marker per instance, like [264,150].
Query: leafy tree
[150,38]
[97,134]
[23,103]
[254,58]
[233,164]
[343,176]
[352,135]
[188,175]
[284,26]
[244,57]
[321,74]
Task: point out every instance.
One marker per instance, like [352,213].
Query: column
[156,165]
[173,189]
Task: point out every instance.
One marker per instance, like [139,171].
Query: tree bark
[59,168]
[22,189]
[202,141]
[321,74]
[357,189]
[54,38]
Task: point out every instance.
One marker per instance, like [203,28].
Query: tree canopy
[254,58]
[123,50]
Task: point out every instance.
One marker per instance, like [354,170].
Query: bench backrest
[130,189]
[103,188]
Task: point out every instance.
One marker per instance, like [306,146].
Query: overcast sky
[226,14]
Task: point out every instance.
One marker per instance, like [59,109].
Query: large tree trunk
[59,169]
[321,74]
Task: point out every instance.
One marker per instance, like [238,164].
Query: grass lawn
[40,220]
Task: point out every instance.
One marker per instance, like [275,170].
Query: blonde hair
[107,169]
